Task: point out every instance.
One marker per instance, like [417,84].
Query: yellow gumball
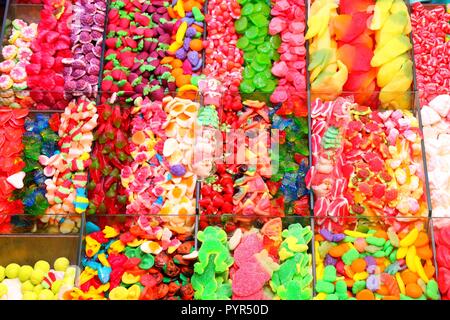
[38,289]
[12,270]
[46,294]
[118,293]
[30,295]
[61,264]
[27,286]
[37,276]
[56,286]
[3,289]
[25,273]
[2,273]
[42,265]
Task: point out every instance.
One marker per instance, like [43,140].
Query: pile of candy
[16,56]
[39,282]
[375,263]
[39,140]
[109,156]
[253,264]
[431,51]
[374,158]
[81,72]
[135,260]
[361,47]
[258,47]
[50,47]
[11,164]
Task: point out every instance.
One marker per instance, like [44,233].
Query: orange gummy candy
[424,252]
[365,294]
[196,45]
[409,277]
[413,290]
[339,250]
[176,72]
[429,269]
[182,80]
[422,239]
[359,265]
[177,63]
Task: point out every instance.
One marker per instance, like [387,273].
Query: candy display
[431,47]
[224,149]
[81,72]
[366,162]
[50,48]
[135,259]
[254,264]
[16,56]
[376,263]
[38,282]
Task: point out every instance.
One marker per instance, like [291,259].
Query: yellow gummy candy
[400,283]
[179,7]
[410,256]
[174,47]
[388,71]
[128,278]
[292,245]
[355,234]
[110,232]
[319,271]
[410,238]
[118,293]
[102,258]
[318,23]
[401,253]
[321,296]
[381,13]
[134,292]
[179,37]
[360,276]
[420,270]
[394,26]
[116,246]
[187,87]
[393,48]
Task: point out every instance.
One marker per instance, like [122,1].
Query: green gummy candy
[242,1]
[247,86]
[388,251]
[324,286]
[393,256]
[262,8]
[432,291]
[257,41]
[332,297]
[349,239]
[270,86]
[275,41]
[379,254]
[259,20]
[198,16]
[350,256]
[358,286]
[405,297]
[251,32]
[242,43]
[259,81]
[379,242]
[387,244]
[247,9]
[241,24]
[329,273]
[265,48]
[147,262]
[248,73]
[262,59]
[258,67]
[341,287]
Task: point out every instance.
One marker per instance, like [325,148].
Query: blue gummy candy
[91,227]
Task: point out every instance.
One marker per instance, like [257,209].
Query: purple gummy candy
[97,51]
[186,43]
[142,56]
[165,38]
[189,14]
[174,2]
[90,56]
[70,85]
[78,73]
[370,260]
[87,20]
[191,32]
[178,170]
[132,77]
[153,54]
[85,37]
[200,24]
[87,48]
[153,47]
[78,64]
[329,260]
[193,57]
[67,71]
[188,20]
[154,63]
[92,79]
[338,237]
[161,53]
[98,28]
[81,85]
[100,5]
[198,66]
[168,27]
[135,66]
[150,9]
[155,18]
[96,36]
[326,234]
[99,19]
[373,282]
[93,69]
[181,54]
[89,8]
[372,268]
[158,71]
